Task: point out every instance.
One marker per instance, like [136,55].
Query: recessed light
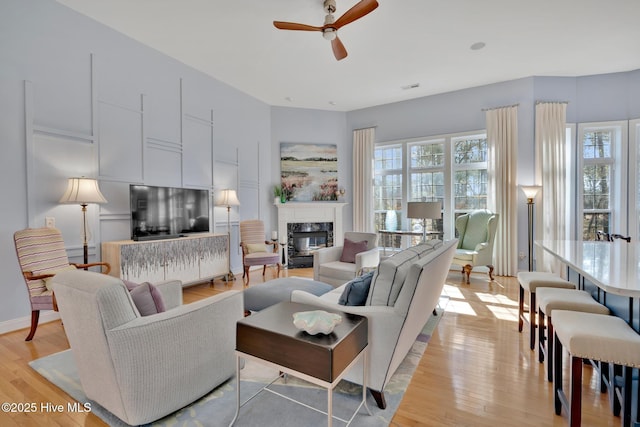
[288,98]
[478,45]
[411,86]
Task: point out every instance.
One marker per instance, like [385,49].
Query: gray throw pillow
[147,298]
[356,291]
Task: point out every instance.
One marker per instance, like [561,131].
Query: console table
[270,337]
[191,259]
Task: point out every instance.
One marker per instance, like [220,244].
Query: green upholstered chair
[476,232]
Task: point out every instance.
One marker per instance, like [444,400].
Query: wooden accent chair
[255,248]
[476,233]
[41,254]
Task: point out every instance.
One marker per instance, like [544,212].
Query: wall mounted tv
[167,212]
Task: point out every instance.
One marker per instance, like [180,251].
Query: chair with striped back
[41,254]
[255,249]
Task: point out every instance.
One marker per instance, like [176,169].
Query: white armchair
[144,368]
[328,268]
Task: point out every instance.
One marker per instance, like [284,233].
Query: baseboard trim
[25,322]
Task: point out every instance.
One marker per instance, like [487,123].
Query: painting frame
[309,171]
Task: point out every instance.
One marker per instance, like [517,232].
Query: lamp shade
[227,198]
[424,210]
[82,191]
[530,191]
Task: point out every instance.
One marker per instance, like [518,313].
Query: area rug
[265,409]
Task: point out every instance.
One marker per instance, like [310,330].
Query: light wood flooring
[477,369]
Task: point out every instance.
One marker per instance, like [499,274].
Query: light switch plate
[49,221]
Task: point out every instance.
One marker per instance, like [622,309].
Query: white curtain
[551,174]
[502,139]
[363,145]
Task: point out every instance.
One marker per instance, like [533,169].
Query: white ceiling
[401,43]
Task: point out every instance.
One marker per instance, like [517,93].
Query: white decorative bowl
[316,321]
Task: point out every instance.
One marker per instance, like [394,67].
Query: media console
[191,259]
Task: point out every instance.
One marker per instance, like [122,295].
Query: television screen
[166,212]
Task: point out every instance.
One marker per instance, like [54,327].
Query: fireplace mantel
[296,212]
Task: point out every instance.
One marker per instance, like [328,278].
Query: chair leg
[246,273]
[490,267]
[521,309]
[532,320]
[264,269]
[575,411]
[467,271]
[35,316]
[557,375]
[627,394]
[542,338]
[279,267]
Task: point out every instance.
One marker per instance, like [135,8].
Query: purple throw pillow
[148,299]
[350,249]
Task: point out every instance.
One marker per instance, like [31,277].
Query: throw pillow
[148,299]
[256,247]
[356,291]
[350,249]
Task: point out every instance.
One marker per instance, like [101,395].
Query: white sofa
[328,268]
[143,368]
[403,293]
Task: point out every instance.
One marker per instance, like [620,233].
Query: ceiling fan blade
[295,26]
[338,49]
[359,10]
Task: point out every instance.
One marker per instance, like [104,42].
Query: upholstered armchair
[142,368]
[339,264]
[255,249]
[476,233]
[41,254]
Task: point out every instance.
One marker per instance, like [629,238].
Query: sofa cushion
[147,298]
[356,291]
[351,249]
[391,273]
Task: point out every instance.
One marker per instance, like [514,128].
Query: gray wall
[77,98]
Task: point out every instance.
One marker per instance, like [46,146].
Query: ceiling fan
[331,25]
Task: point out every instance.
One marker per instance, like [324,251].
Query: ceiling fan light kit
[331,26]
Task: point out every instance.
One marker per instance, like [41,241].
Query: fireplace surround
[329,214]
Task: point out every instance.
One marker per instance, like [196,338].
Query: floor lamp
[227,199]
[424,211]
[530,191]
[82,191]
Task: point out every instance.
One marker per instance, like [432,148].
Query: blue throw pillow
[356,291]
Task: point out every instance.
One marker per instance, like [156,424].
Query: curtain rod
[552,102]
[504,106]
[368,127]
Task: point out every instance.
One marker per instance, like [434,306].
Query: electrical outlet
[49,221]
[521,256]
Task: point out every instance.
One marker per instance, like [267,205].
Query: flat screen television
[167,212]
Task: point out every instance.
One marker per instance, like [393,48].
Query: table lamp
[424,211]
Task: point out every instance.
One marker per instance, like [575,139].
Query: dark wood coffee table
[270,337]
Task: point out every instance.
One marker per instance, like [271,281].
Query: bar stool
[550,299]
[530,281]
[595,337]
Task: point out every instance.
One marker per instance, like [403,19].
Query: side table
[270,337]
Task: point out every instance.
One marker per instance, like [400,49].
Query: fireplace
[296,213]
[303,239]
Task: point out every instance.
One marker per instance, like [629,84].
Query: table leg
[235,417]
[365,369]
[329,407]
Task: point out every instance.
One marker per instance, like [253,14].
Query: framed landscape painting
[309,172]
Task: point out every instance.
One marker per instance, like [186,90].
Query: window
[601,168]
[451,169]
